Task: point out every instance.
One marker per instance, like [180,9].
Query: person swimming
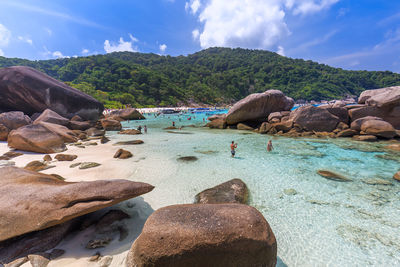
[269,146]
[233,146]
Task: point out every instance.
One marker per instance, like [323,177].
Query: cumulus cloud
[256,24]
[5,35]
[231,23]
[121,45]
[85,51]
[1,53]
[163,47]
[25,39]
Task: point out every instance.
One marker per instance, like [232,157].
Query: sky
[350,34]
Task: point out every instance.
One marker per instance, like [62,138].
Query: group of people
[144,128]
[234,146]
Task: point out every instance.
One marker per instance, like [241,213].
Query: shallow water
[325,223]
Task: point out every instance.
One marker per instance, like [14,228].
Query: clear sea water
[326,223]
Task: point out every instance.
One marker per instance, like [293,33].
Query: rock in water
[333,176]
[316,119]
[31,201]
[378,128]
[130,132]
[233,191]
[205,235]
[257,107]
[31,91]
[127,143]
[36,138]
[396,176]
[127,114]
[187,159]
[122,154]
[111,125]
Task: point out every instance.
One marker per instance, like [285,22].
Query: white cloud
[1,53]
[121,45]
[163,47]
[281,51]
[193,6]
[195,34]
[5,35]
[25,39]
[58,54]
[257,24]
[85,51]
[231,23]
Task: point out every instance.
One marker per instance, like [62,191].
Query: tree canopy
[212,76]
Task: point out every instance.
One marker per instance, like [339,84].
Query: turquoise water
[326,223]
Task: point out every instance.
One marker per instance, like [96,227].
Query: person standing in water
[269,146]
[145,129]
[173,124]
[233,147]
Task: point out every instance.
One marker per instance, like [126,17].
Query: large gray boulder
[257,107]
[383,103]
[205,235]
[378,128]
[389,96]
[31,201]
[52,117]
[31,91]
[36,138]
[316,119]
[14,119]
[127,114]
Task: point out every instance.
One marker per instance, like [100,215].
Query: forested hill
[212,76]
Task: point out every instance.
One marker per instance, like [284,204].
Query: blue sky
[351,34]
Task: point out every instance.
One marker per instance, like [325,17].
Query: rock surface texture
[32,201]
[36,138]
[31,91]
[233,191]
[257,107]
[313,118]
[205,235]
[127,114]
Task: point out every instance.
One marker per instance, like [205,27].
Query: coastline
[111,168]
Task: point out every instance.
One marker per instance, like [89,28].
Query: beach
[309,214]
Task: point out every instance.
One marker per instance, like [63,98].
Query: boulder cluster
[376,116]
[218,230]
[37,210]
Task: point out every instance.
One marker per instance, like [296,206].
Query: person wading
[269,146]
[233,147]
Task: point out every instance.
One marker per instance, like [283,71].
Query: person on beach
[233,147]
[269,146]
[145,129]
